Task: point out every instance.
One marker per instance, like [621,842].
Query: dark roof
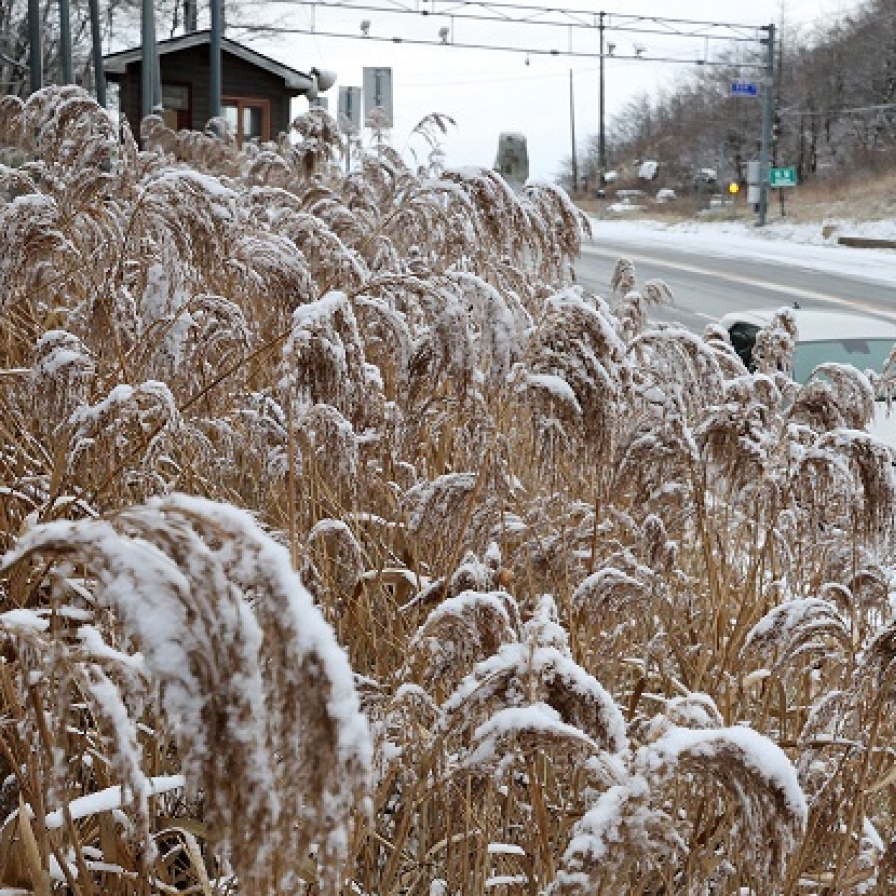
[114,64]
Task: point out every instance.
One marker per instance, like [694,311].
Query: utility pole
[602,134]
[65,42]
[35,49]
[572,133]
[99,76]
[214,81]
[768,105]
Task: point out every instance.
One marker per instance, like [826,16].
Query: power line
[498,11]
[803,113]
[531,51]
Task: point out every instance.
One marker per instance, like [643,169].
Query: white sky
[488,92]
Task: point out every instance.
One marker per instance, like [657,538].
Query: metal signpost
[350,107]
[378,93]
[348,116]
[782,177]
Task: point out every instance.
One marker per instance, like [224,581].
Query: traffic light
[734,188]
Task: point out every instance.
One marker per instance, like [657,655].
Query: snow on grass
[108,799]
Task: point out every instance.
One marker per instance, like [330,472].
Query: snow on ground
[775,243]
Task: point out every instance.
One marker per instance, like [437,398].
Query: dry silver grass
[536,670]
[837,396]
[391,369]
[575,342]
[773,351]
[748,816]
[458,633]
[258,698]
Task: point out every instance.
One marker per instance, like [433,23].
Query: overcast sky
[489,92]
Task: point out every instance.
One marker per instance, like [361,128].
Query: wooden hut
[255,90]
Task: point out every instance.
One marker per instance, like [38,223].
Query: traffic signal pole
[768,106]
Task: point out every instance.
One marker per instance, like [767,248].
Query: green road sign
[782,177]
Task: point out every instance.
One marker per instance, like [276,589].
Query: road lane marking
[793,291]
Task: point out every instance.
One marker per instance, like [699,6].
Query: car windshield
[861,353]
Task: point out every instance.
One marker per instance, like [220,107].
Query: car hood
[883,424]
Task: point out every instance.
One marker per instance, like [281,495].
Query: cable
[577,18]
[690,60]
[819,112]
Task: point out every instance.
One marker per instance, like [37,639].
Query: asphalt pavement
[705,287]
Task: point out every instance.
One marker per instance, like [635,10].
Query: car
[826,336]
[627,201]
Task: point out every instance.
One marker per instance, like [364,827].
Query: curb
[861,242]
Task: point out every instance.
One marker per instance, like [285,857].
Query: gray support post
[768,106]
[572,135]
[156,70]
[35,48]
[214,81]
[147,58]
[65,42]
[99,76]
[602,134]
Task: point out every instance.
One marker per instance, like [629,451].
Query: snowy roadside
[781,242]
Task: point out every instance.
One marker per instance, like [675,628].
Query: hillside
[834,113]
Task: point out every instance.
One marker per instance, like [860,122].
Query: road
[707,286]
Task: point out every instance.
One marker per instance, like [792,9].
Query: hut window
[247,118]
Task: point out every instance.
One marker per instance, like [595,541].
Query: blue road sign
[743,88]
